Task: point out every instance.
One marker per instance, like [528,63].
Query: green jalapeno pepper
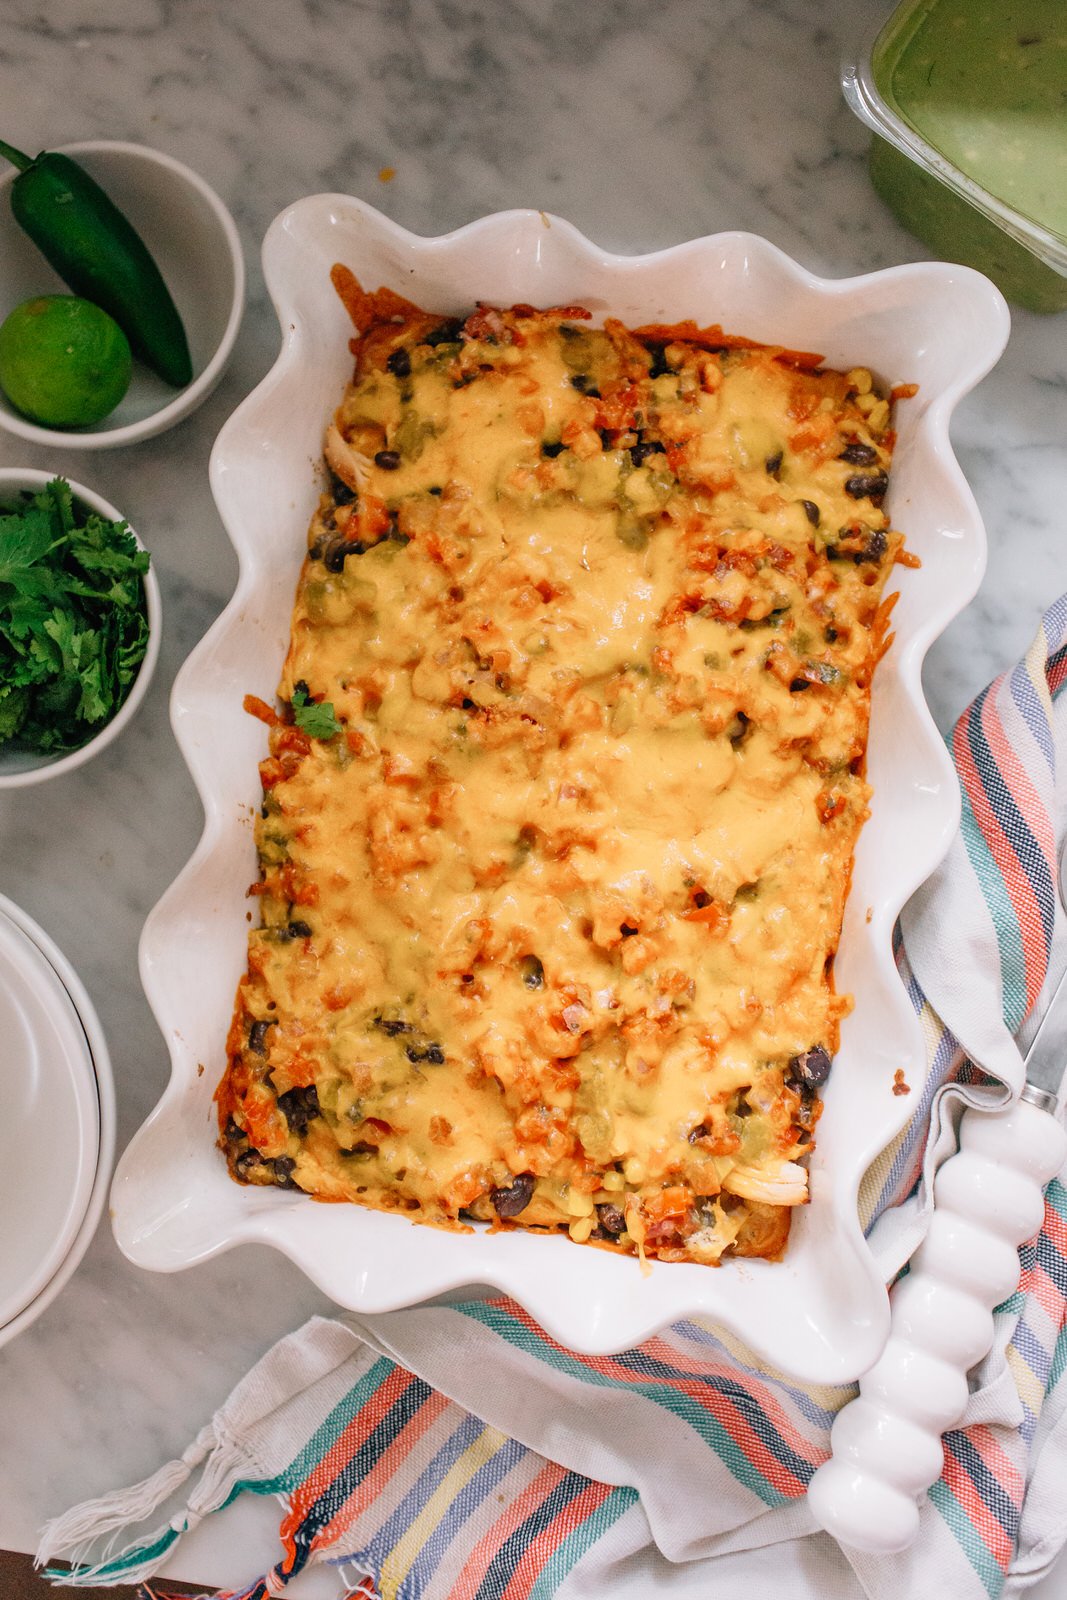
[100,256]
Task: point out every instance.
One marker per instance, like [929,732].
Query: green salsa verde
[984,82]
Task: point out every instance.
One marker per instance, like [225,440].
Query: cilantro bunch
[73,624]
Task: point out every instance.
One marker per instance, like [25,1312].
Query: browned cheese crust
[561,802]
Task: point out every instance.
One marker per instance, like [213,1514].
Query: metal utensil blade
[1046,1058]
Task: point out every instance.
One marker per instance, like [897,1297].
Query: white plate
[50,1116]
[104,1086]
[822,1313]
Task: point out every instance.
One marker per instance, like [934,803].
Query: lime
[63,361]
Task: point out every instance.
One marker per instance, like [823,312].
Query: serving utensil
[988,1200]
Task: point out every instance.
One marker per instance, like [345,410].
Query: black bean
[611,1218]
[446,332]
[430,1052]
[700,899]
[254,1167]
[283,1172]
[858,455]
[388,460]
[874,549]
[798,685]
[744,723]
[233,1133]
[811,511]
[338,551]
[299,930]
[301,687]
[773,464]
[434,490]
[628,930]
[659,367]
[247,1163]
[640,452]
[585,385]
[342,494]
[515,1198]
[698,1133]
[533,973]
[300,1107]
[607,439]
[399,363]
[830,635]
[810,1069]
[257,1037]
[867,486]
[391,1026]
[553,450]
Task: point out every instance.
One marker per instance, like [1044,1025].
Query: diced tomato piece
[259,708]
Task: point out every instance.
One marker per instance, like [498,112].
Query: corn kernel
[879,416]
[633,1170]
[578,1205]
[614,1181]
[867,403]
[581,1229]
[860,380]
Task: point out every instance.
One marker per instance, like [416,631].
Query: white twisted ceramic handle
[988,1200]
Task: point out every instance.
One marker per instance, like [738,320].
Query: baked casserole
[561,803]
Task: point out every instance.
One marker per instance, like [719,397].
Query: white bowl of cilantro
[80,622]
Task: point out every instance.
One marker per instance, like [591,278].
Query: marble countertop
[642,125]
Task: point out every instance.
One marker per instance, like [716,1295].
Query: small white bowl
[194,242]
[21,767]
[100,1129]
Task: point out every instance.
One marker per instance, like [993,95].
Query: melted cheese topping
[550,899]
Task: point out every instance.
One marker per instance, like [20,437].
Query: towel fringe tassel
[76,1536]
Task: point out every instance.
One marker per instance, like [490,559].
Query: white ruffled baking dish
[822,1313]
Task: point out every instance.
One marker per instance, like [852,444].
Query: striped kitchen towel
[459,1453]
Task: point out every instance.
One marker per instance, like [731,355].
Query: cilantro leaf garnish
[315,717]
[73,624]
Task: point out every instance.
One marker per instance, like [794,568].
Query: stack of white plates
[57,1112]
